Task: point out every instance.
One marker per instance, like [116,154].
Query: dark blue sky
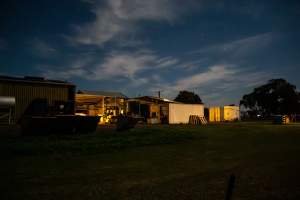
[219,49]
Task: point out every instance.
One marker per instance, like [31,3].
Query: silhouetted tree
[276,97]
[188,97]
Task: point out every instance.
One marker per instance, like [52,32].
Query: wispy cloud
[192,64]
[124,64]
[76,68]
[212,74]
[202,79]
[215,82]
[114,19]
[166,62]
[114,65]
[41,48]
[241,47]
[67,74]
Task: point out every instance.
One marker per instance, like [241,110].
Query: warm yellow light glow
[231,113]
[226,113]
[214,114]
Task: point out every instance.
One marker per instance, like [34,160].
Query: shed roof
[34,80]
[103,93]
[153,99]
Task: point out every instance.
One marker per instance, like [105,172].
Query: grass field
[155,162]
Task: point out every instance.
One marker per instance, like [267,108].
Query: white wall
[180,113]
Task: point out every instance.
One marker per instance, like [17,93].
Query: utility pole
[159,93]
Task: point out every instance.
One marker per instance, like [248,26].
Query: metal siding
[25,93]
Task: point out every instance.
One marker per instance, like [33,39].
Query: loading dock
[104,104]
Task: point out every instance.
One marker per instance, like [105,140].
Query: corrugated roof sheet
[153,99]
[103,93]
[35,80]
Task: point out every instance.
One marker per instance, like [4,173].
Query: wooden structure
[281,119]
[154,110]
[195,119]
[58,95]
[157,110]
[100,103]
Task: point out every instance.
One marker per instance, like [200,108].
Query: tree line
[276,97]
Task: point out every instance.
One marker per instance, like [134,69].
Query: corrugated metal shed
[27,89]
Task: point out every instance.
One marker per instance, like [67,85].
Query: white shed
[180,113]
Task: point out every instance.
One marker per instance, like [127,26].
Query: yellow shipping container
[231,113]
[214,114]
[226,113]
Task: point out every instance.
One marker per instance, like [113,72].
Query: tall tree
[276,97]
[188,97]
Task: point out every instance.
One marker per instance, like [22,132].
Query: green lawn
[155,162]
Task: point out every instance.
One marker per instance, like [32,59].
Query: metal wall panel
[25,93]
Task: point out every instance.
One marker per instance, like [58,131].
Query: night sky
[219,49]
